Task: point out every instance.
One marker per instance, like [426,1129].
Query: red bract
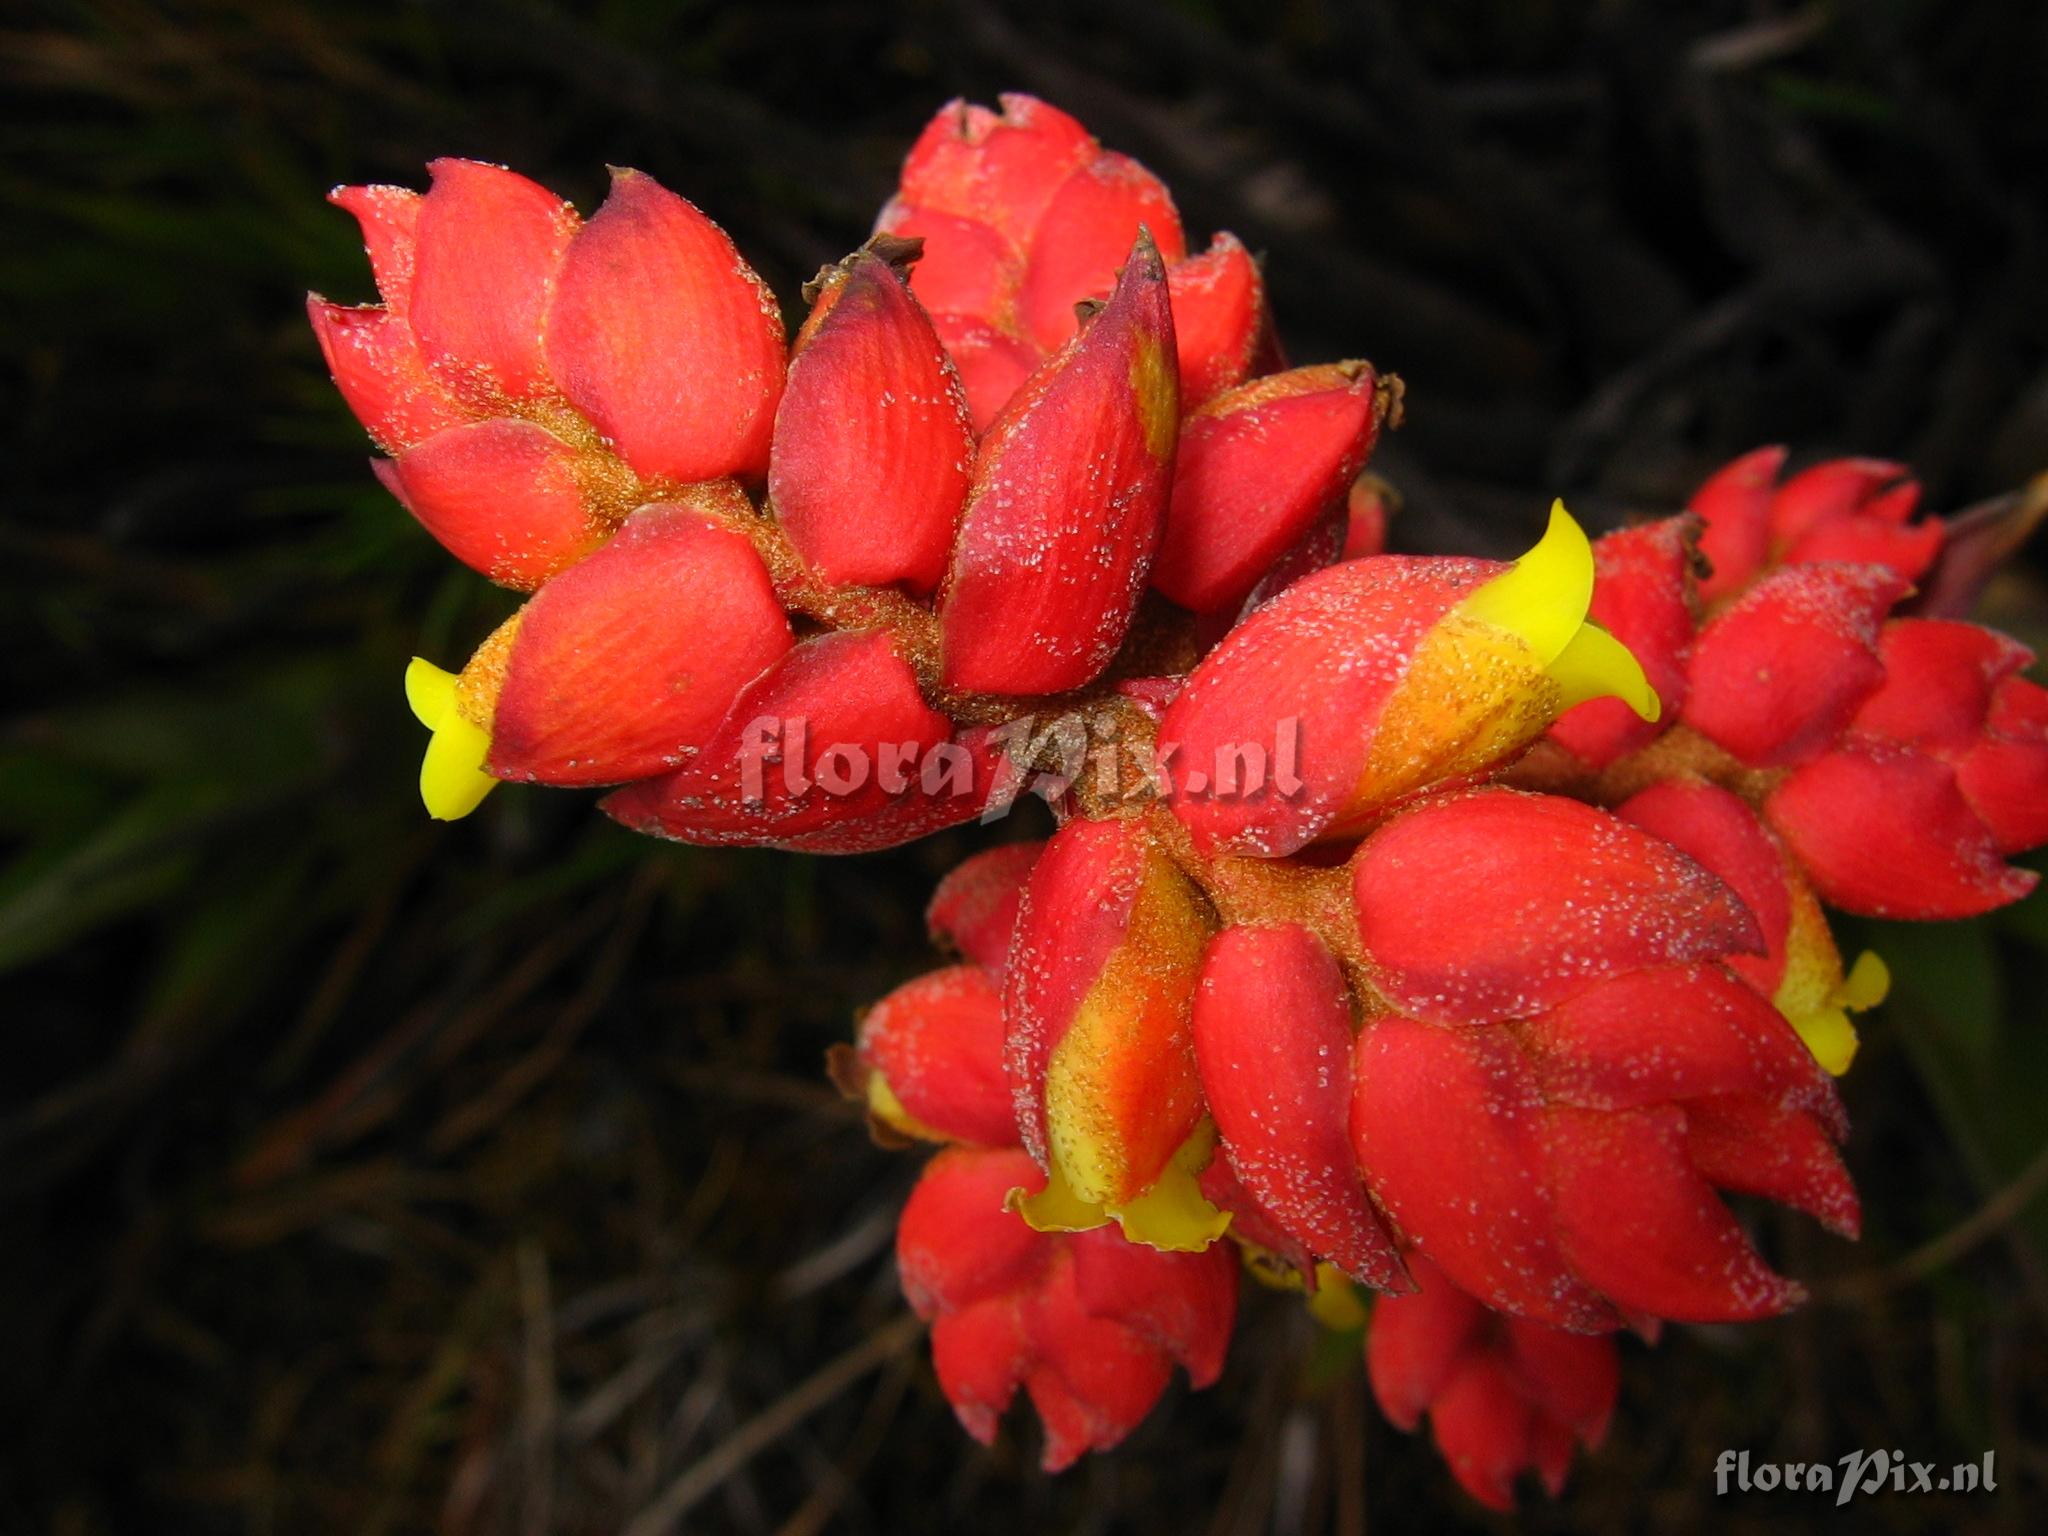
[1778,675]
[1489,905]
[872,445]
[1504,1396]
[832,732]
[1257,467]
[1272,1031]
[665,339]
[537,378]
[974,910]
[1800,970]
[930,1060]
[1854,511]
[1024,216]
[624,665]
[1067,504]
[1088,1325]
[1545,1117]
[1101,1058]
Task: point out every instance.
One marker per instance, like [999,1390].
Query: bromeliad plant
[1442,927]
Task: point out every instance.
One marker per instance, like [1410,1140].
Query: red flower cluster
[1446,927]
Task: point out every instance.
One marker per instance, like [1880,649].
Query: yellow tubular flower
[1172,1214]
[1826,1028]
[452,778]
[1542,599]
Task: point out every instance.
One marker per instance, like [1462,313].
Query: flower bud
[872,441]
[1850,511]
[1068,498]
[974,909]
[1101,1056]
[1257,467]
[618,668]
[929,1060]
[1088,1325]
[1391,675]
[1503,1395]
[1272,1031]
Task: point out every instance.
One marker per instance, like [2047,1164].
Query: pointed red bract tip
[666,339]
[390,218]
[376,364]
[1219,313]
[873,445]
[1068,499]
[490,245]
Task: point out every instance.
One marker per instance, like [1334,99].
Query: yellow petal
[430,690]
[1595,665]
[1172,1215]
[1830,1036]
[1335,1302]
[452,778]
[1542,597]
[1056,1208]
[1865,986]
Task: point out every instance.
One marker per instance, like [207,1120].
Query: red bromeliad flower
[1445,927]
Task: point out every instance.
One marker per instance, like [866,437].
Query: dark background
[363,1175]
